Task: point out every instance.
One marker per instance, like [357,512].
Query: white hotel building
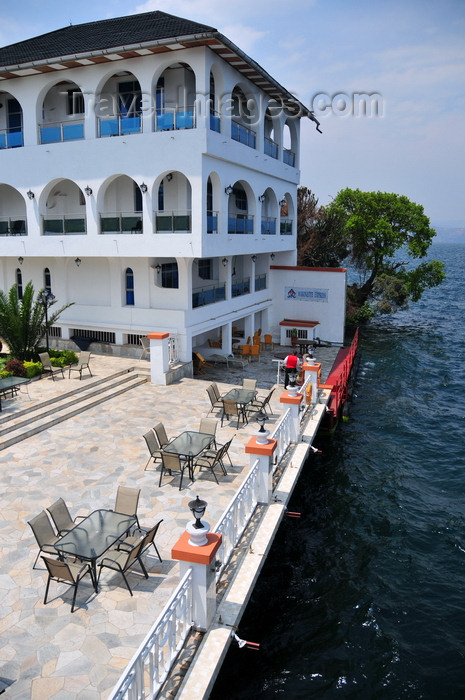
[148,174]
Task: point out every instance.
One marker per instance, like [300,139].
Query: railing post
[264,454]
[159,357]
[201,561]
[293,402]
[312,370]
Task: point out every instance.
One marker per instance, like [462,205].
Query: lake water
[363,597]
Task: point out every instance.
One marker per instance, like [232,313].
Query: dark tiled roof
[98,36]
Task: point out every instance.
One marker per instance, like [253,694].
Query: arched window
[129,287]
[47,280]
[19,283]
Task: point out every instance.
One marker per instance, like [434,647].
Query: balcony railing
[260,282]
[271,148]
[180,118]
[173,221]
[61,131]
[67,224]
[212,222]
[288,157]
[240,287]
[208,295]
[268,225]
[240,223]
[243,134]
[119,126]
[11,138]
[285,227]
[12,226]
[121,222]
[215,123]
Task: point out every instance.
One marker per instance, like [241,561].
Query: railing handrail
[153,642]
[283,434]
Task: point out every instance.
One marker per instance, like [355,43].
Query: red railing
[338,378]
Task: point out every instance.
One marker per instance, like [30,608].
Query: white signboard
[306,294]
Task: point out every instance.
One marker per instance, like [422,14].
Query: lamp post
[46,298]
[292,388]
[262,436]
[198,530]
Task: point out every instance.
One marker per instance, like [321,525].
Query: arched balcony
[119,106]
[63,209]
[11,121]
[239,219]
[121,209]
[174,199]
[62,114]
[175,99]
[13,220]
[242,119]
[269,212]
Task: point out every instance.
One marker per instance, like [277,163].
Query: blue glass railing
[271,148]
[175,119]
[268,226]
[208,295]
[212,223]
[260,282]
[240,223]
[11,139]
[240,287]
[243,134]
[288,157]
[215,124]
[63,131]
[120,126]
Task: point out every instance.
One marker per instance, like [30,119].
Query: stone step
[39,417]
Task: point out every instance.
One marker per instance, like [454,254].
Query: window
[129,287]
[130,99]
[19,283]
[160,95]
[137,198]
[241,199]
[169,275]
[47,280]
[205,269]
[161,198]
[75,102]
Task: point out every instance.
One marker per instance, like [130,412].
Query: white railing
[303,390]
[284,434]
[173,350]
[234,520]
[152,662]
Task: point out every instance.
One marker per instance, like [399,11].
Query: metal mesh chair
[44,534]
[65,572]
[121,560]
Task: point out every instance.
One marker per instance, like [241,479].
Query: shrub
[4,374]
[16,367]
[33,369]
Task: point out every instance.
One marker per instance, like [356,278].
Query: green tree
[22,321]
[386,233]
[321,241]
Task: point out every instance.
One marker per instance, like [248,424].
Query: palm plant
[22,321]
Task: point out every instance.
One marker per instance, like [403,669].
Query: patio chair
[121,560]
[62,517]
[260,404]
[147,537]
[244,350]
[215,402]
[153,447]
[126,502]
[82,363]
[172,462]
[210,452]
[145,342]
[254,352]
[210,461]
[44,534]
[267,340]
[65,572]
[47,366]
[160,432]
[208,426]
[250,384]
[231,408]
[200,363]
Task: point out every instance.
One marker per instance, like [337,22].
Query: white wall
[330,313]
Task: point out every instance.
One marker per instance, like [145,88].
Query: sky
[404,59]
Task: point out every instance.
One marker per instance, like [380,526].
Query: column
[293,402]
[159,357]
[264,454]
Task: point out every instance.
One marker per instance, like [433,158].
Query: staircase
[33,419]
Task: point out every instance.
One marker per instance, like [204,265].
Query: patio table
[189,444]
[12,384]
[94,535]
[242,397]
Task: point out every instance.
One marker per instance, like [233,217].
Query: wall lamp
[254,258]
[169,177]
[77,261]
[282,202]
[272,256]
[158,268]
[20,260]
[225,262]
[88,191]
[143,188]
[229,189]
[261,197]
[30,194]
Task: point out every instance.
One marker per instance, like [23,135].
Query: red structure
[338,383]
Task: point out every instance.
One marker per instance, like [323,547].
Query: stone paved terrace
[45,651]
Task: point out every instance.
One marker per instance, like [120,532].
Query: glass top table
[12,384]
[94,535]
[242,396]
[189,444]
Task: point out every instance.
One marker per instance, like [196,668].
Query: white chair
[145,342]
